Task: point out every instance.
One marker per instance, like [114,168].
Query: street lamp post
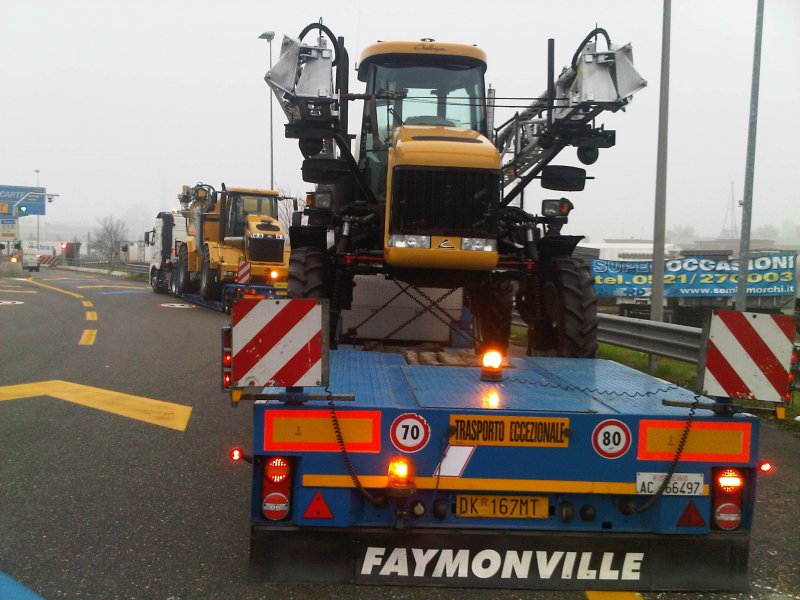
[269,36]
[37,216]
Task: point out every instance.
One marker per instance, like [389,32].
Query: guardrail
[663,339]
[137,268]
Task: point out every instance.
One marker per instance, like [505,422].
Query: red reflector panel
[318,508]
[691,517]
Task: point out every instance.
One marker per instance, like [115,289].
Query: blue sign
[28,200]
[696,277]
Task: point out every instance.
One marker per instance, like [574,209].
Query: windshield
[242,205]
[449,95]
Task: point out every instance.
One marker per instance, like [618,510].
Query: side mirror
[326,170]
[563,179]
[147,237]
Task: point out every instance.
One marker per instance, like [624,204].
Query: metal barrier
[663,339]
[137,268]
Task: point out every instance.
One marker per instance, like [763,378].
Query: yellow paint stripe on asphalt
[87,339]
[87,303]
[156,412]
[55,289]
[91,315]
[123,287]
[614,596]
[5,291]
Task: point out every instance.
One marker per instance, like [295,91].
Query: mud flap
[554,561]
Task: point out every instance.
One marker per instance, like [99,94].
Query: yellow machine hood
[428,145]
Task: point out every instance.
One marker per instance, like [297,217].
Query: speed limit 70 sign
[611,438]
[410,432]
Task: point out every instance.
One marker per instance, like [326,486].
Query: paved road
[127,504]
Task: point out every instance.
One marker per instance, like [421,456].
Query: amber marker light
[401,473]
[273,274]
[491,369]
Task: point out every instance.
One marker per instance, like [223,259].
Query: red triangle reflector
[318,508]
[691,517]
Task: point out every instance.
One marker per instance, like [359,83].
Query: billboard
[695,277]
[28,200]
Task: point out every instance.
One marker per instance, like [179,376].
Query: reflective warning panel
[278,343]
[541,432]
[313,430]
[707,441]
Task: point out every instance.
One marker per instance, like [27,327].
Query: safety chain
[431,304]
[675,460]
[353,331]
[351,470]
[589,390]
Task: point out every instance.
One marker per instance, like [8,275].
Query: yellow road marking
[124,287]
[614,596]
[55,289]
[87,339]
[17,291]
[91,315]
[156,412]
[87,303]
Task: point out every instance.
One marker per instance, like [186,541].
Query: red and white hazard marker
[611,438]
[410,432]
[243,272]
[749,356]
[277,343]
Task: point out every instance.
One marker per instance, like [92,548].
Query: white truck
[169,228]
[30,262]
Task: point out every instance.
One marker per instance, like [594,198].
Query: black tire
[173,282]
[491,306]
[209,289]
[570,305]
[154,277]
[184,284]
[307,273]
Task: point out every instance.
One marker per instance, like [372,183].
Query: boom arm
[595,82]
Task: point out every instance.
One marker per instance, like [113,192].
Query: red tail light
[227,358]
[276,488]
[765,466]
[729,486]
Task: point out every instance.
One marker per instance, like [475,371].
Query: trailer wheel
[209,289]
[570,305]
[306,273]
[491,306]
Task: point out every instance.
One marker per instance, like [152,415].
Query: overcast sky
[118,104]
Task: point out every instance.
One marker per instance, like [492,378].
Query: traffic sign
[28,200]
[611,438]
[410,432]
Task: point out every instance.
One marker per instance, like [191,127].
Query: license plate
[681,484]
[502,507]
[280,285]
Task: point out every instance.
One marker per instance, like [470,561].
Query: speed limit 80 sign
[611,438]
[410,432]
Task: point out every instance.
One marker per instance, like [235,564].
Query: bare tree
[109,237]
